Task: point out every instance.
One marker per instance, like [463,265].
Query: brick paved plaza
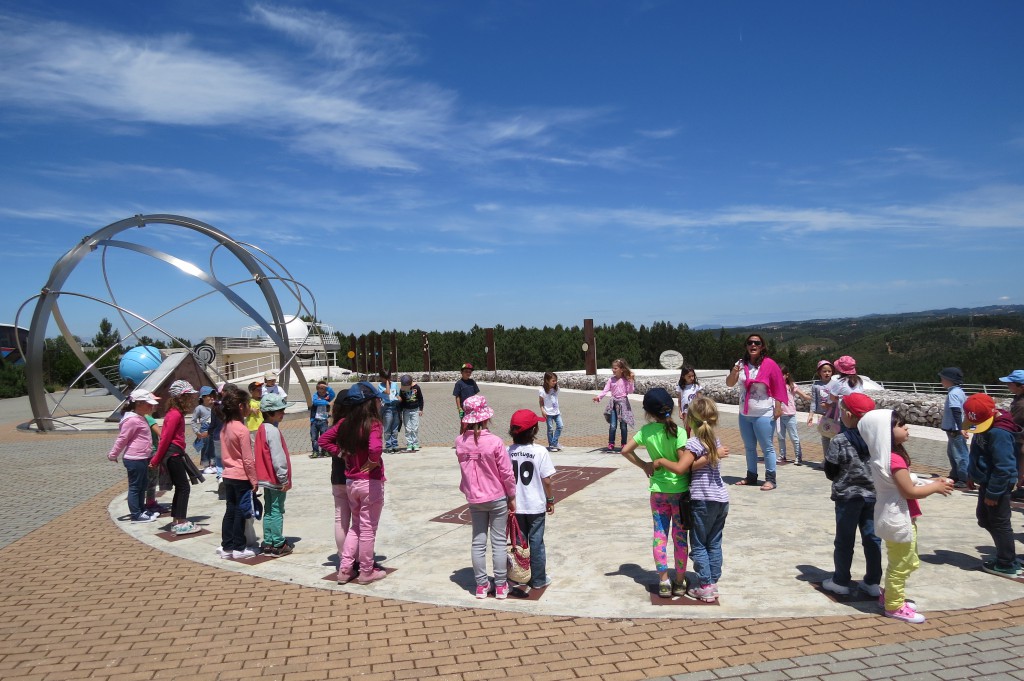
[83,599]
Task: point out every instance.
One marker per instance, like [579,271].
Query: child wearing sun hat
[490,490]
[993,466]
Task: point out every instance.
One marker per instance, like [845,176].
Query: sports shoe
[242,555]
[145,518]
[546,583]
[829,585]
[501,591]
[223,553]
[706,593]
[611,447]
[907,602]
[187,527]
[870,589]
[481,591]
[374,576]
[665,589]
[344,577]
[1012,572]
[906,614]
[680,588]
[209,470]
[284,549]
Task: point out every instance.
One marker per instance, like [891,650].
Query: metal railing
[997,391]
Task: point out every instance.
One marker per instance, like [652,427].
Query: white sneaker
[829,585]
[222,553]
[870,589]
[241,555]
[209,470]
[145,518]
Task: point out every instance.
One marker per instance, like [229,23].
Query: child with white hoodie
[897,492]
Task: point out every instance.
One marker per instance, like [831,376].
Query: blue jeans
[956,452]
[554,430]
[622,425]
[411,422]
[706,539]
[758,430]
[787,427]
[317,427]
[138,480]
[850,515]
[390,417]
[532,525]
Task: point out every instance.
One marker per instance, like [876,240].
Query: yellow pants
[902,561]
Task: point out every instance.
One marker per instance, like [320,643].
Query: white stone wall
[919,409]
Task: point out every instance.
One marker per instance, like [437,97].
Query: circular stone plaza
[87,594]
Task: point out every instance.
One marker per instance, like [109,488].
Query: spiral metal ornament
[261,266]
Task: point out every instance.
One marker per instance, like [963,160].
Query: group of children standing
[872,488]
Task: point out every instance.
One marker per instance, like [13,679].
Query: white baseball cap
[140,395]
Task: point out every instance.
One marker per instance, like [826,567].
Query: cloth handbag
[195,476]
[250,506]
[518,552]
[830,425]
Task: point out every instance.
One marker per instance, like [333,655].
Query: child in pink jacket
[490,489]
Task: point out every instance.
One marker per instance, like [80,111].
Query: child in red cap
[993,466]
[535,498]
[847,465]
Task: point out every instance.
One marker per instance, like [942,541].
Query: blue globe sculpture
[138,363]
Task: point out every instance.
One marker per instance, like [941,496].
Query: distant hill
[986,342]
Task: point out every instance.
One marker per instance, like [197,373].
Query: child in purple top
[618,413]
[709,497]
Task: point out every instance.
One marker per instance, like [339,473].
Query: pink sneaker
[907,602]
[481,590]
[344,576]
[906,614]
[374,576]
[501,591]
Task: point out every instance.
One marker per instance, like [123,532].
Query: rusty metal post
[589,347]
[426,354]
[362,354]
[492,361]
[394,351]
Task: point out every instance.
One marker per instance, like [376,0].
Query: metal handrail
[998,390]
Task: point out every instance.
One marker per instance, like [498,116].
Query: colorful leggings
[665,509]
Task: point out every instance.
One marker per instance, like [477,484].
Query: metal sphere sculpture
[139,362]
[263,269]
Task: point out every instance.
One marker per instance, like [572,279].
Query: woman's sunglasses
[755,343]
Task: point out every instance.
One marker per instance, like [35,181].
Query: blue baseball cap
[359,393]
[1016,376]
[205,390]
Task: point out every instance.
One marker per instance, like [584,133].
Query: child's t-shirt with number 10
[530,465]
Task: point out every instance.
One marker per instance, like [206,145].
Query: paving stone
[734,672]
[955,673]
[994,668]
[813,659]
[772,665]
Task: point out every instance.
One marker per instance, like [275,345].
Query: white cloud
[660,134]
[342,101]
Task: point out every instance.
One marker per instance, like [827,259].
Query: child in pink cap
[490,490]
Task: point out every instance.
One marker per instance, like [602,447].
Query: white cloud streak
[342,103]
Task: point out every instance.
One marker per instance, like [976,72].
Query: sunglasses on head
[755,343]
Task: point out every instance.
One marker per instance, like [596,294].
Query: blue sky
[440,164]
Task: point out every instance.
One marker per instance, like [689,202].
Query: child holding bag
[274,472]
[532,469]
